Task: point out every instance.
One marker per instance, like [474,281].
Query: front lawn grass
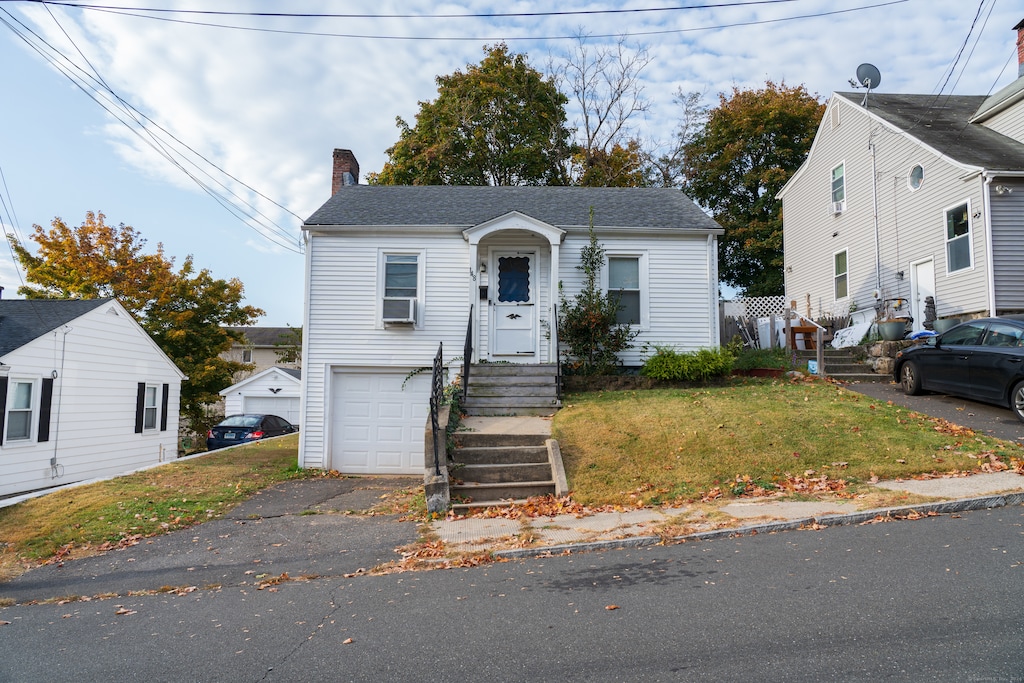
[675,445]
[86,519]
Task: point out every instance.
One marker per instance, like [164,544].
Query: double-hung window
[19,412]
[839,188]
[150,409]
[840,270]
[624,282]
[958,238]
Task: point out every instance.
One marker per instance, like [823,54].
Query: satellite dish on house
[868,76]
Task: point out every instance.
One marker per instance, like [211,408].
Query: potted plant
[761,362]
[892,329]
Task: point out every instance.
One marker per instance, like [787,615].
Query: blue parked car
[236,429]
[982,360]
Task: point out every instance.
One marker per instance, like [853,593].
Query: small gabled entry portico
[513,287]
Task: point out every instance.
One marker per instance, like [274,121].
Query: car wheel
[910,379]
[1017,400]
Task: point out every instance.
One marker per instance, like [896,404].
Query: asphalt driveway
[981,417]
[299,527]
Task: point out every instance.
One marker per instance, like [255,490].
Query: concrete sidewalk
[572,533]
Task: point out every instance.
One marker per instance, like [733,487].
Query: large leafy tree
[500,122]
[185,311]
[750,146]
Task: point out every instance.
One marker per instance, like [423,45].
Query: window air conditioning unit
[837,207]
[399,310]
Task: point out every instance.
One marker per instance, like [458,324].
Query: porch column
[553,294]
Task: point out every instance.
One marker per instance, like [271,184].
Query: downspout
[989,259]
[874,209]
[715,330]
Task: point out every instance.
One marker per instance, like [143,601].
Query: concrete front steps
[848,365]
[502,460]
[497,389]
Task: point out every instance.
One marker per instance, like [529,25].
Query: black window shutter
[45,406]
[163,408]
[3,406]
[140,407]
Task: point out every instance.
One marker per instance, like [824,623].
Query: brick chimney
[1019,28]
[346,170]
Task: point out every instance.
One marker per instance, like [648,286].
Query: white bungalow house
[905,197]
[274,391]
[84,392]
[392,272]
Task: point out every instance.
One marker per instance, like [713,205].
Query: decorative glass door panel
[514,326]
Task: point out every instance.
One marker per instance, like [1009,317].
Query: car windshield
[241,421]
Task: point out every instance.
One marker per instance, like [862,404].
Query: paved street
[933,599]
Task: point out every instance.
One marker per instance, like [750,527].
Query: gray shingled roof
[942,124]
[463,206]
[22,320]
[264,336]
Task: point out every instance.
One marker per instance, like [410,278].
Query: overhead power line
[144,13]
[194,165]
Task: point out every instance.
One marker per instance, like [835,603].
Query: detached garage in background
[275,391]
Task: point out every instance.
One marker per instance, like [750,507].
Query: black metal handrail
[467,354]
[558,356]
[436,397]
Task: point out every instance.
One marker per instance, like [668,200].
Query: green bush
[695,366]
[755,359]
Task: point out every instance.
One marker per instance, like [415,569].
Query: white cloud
[269,108]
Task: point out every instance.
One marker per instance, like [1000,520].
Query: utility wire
[137,123]
[626,34]
[468,15]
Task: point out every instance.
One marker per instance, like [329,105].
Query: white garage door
[282,406]
[377,425]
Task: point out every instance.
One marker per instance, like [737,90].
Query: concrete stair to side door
[512,389]
[845,364]
[495,469]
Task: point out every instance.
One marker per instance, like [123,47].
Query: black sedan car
[236,429]
[982,360]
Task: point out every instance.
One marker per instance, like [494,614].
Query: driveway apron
[296,527]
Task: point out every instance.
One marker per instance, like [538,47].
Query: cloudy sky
[243,108]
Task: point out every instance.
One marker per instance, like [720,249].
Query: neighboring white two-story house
[84,393]
[392,272]
[904,197]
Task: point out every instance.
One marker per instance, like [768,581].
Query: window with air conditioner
[839,188]
[400,288]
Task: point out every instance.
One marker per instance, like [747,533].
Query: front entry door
[513,305]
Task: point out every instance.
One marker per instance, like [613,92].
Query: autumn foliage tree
[184,310]
[735,165]
[500,122]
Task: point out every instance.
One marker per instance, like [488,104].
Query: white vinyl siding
[92,425]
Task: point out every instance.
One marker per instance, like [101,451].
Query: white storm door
[513,305]
[922,282]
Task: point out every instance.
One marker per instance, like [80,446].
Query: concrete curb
[944,507]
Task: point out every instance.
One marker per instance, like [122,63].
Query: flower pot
[893,330]
[760,372]
[943,324]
